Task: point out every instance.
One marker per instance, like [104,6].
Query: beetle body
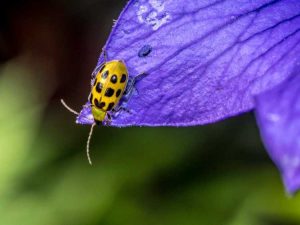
[109,84]
[108,88]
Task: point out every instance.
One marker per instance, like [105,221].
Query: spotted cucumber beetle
[110,84]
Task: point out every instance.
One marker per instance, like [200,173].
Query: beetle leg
[119,108]
[131,83]
[139,76]
[94,73]
[107,121]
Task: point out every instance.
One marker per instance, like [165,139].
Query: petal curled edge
[278,116]
[207,60]
[85,117]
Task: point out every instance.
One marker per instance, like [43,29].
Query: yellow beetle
[110,83]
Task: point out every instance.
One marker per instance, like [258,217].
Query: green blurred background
[217,174]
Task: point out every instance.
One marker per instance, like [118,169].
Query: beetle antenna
[68,107]
[88,143]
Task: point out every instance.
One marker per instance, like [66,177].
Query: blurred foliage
[212,175]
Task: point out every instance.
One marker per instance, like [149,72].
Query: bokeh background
[217,174]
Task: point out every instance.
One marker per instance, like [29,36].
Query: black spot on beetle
[144,51]
[95,82]
[99,87]
[118,93]
[109,92]
[105,74]
[123,78]
[114,79]
[101,69]
[101,105]
[110,106]
[96,103]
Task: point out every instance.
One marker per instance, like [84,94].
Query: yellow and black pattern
[109,86]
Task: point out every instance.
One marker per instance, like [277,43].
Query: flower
[207,61]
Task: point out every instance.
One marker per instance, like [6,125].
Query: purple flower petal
[85,116]
[207,59]
[278,114]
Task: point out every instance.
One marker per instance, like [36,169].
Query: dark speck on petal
[145,50]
